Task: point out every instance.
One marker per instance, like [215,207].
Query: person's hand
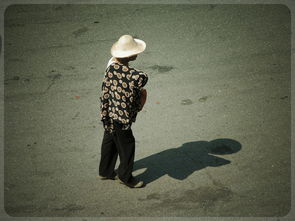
[143,96]
[140,108]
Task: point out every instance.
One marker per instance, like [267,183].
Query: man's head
[133,58]
[127,59]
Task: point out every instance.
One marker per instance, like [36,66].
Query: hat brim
[117,53]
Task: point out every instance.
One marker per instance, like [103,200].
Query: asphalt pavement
[213,139]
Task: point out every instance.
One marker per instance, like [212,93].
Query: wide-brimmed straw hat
[127,46]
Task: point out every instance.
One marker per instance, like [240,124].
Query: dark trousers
[122,143]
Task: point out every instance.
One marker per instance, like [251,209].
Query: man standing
[123,96]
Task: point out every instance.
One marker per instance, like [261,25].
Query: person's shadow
[182,161]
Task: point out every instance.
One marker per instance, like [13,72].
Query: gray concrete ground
[212,140]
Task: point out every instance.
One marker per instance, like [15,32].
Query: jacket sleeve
[141,80]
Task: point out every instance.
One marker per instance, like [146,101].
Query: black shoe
[134,183]
[108,178]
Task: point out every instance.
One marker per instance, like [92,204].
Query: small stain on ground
[204,197]
[211,7]
[54,76]
[203,99]
[76,115]
[58,8]
[26,80]
[186,102]
[80,31]
[69,67]
[161,68]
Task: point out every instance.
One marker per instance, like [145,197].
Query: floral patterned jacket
[120,98]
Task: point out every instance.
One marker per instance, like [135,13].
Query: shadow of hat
[224,146]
